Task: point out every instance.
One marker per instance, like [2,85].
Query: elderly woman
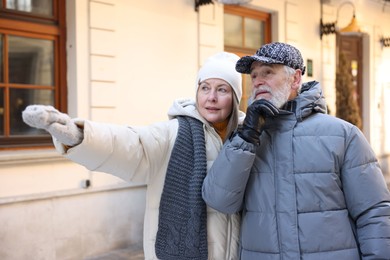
[171,157]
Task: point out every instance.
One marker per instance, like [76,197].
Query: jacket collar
[309,100]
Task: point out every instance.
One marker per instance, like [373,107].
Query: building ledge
[29,156]
[67,193]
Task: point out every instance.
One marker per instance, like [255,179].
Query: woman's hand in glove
[254,120]
[58,124]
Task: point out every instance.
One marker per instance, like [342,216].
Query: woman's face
[214,100]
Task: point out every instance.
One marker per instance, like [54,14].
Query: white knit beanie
[222,66]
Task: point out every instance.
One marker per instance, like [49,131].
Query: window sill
[29,156]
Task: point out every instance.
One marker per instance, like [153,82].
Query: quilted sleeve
[133,154]
[224,185]
[367,197]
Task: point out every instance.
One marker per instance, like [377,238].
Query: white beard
[278,98]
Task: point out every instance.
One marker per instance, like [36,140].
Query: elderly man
[308,184]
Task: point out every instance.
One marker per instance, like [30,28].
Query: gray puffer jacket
[313,189]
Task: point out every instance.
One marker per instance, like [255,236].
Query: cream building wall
[127,61]
[374,18]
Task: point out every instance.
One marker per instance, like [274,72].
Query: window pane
[254,31]
[19,99]
[233,30]
[38,7]
[31,61]
[1,58]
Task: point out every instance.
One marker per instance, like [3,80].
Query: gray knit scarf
[182,227]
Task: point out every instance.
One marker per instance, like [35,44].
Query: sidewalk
[131,253]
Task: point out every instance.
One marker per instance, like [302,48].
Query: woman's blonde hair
[233,118]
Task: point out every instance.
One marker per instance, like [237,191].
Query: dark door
[352,47]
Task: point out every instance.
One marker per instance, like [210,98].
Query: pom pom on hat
[222,66]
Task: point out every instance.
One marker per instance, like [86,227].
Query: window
[32,68]
[245,31]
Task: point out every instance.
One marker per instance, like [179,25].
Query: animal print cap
[273,53]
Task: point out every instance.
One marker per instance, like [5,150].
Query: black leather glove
[255,118]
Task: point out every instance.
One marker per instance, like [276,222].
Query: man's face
[271,82]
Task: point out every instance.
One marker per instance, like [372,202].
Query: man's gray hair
[290,72]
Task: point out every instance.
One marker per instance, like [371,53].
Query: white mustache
[257,91]
[263,88]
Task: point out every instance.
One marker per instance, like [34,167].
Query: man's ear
[296,79]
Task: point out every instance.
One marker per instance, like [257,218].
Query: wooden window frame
[243,51]
[17,23]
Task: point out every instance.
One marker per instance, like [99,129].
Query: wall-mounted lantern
[329,28]
[385,41]
[225,2]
